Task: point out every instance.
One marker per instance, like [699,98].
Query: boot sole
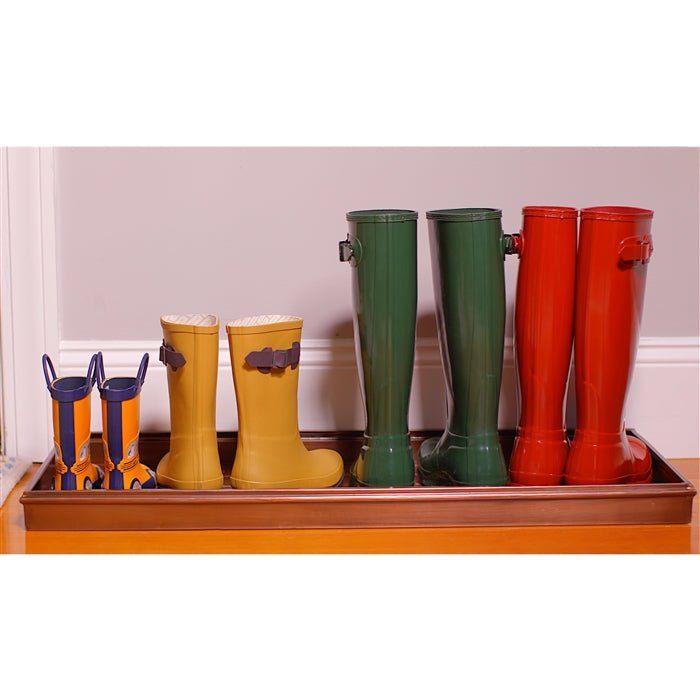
[210,484]
[318,483]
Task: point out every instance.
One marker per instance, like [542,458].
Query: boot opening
[261,320]
[191,319]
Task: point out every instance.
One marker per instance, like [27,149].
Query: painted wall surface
[242,231]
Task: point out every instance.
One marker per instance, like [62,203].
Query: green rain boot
[381,248]
[468,248]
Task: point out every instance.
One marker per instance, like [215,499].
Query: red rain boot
[544,330]
[614,248]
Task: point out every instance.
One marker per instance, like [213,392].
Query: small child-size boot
[71,428]
[270,454]
[120,429]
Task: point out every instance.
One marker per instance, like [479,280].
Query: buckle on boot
[267,359]
[171,357]
[635,251]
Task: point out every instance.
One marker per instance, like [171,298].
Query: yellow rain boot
[190,350]
[270,454]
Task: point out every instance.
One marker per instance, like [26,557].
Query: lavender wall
[240,231]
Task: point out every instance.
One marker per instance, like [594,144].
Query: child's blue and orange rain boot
[71,428]
[120,429]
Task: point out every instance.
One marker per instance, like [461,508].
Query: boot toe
[330,468]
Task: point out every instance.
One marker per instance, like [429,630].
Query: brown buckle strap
[171,357]
[267,359]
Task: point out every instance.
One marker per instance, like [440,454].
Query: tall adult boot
[265,354]
[381,249]
[190,350]
[544,333]
[120,429]
[74,470]
[614,249]
[468,248]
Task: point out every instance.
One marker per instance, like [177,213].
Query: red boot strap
[267,359]
[632,250]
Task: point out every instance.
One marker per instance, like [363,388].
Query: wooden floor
[614,539]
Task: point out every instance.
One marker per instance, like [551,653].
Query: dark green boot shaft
[381,248]
[467,250]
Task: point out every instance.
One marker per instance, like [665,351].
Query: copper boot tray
[668,499]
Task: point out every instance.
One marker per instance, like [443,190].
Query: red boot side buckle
[632,251]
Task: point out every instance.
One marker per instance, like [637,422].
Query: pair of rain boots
[468,247]
[71,397]
[591,297]
[265,353]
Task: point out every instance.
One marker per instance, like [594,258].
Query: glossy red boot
[544,331]
[614,248]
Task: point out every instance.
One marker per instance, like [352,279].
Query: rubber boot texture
[270,453]
[120,430]
[193,460]
[467,250]
[615,246]
[383,261]
[544,331]
[74,470]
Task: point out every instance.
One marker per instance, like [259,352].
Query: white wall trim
[663,402]
[28,297]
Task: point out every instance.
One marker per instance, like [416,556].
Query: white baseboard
[663,401]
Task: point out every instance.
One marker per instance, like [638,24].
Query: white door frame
[28,297]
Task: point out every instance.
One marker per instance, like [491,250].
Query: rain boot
[544,333]
[615,246]
[190,350]
[71,429]
[270,454]
[468,248]
[120,429]
[381,249]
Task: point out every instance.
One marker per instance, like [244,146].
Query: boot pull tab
[170,357]
[99,370]
[48,368]
[350,251]
[141,374]
[512,244]
[634,250]
[267,359]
